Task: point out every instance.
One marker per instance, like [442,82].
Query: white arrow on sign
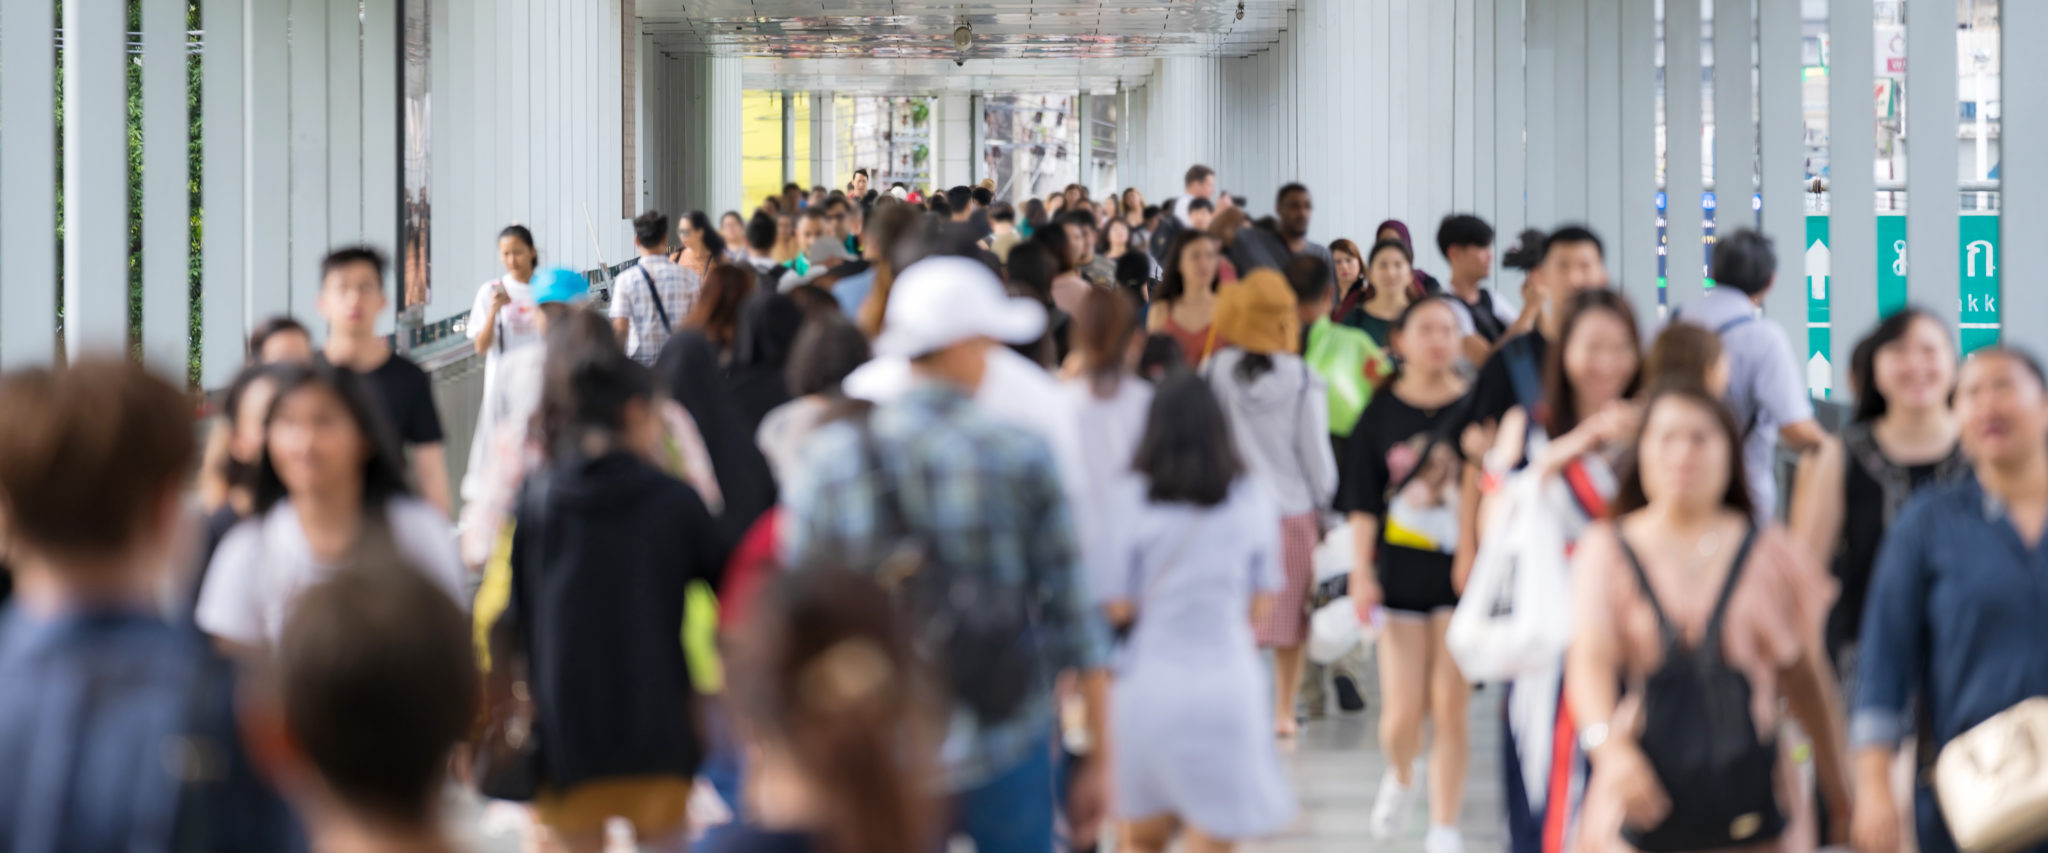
[1820,375]
[1818,259]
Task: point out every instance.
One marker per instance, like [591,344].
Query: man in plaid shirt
[650,299]
[987,498]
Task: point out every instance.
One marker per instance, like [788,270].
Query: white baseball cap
[943,300]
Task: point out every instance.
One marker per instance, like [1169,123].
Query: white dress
[1191,723]
[517,328]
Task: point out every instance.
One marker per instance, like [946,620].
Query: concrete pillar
[1852,182]
[1781,150]
[723,83]
[95,179]
[825,143]
[1684,255]
[952,141]
[1931,110]
[1185,122]
[2025,199]
[1636,267]
[28,169]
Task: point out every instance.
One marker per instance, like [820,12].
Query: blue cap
[556,284]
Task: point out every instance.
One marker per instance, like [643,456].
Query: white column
[224,289]
[1484,139]
[309,141]
[1572,169]
[166,200]
[1605,74]
[1464,71]
[95,179]
[345,190]
[266,102]
[1933,202]
[1541,77]
[722,126]
[952,143]
[1186,105]
[1510,208]
[2025,214]
[1442,128]
[1636,246]
[1734,132]
[1852,182]
[1781,147]
[28,173]
[1683,262]
[825,142]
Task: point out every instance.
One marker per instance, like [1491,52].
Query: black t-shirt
[1484,321]
[407,396]
[742,838]
[1419,514]
[1862,512]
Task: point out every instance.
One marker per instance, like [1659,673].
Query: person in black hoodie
[689,368]
[603,549]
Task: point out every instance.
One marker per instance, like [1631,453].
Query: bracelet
[1592,736]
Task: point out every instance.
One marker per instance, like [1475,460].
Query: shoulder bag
[1992,783]
[508,763]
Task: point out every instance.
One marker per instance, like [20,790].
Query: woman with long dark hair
[1903,437]
[1388,273]
[716,316]
[502,321]
[837,711]
[699,246]
[1184,303]
[243,412]
[1577,441]
[1683,564]
[733,230]
[331,485]
[1199,564]
[604,547]
[1278,410]
[1400,491]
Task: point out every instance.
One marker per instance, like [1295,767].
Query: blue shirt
[988,498]
[1766,383]
[1954,619]
[852,290]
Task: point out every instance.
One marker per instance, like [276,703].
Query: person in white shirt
[502,321]
[330,493]
[1199,183]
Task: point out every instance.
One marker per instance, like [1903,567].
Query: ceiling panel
[1003,29]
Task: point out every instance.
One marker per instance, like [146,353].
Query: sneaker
[1349,700]
[1390,808]
[1443,839]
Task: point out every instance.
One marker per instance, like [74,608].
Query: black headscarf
[689,366]
[767,332]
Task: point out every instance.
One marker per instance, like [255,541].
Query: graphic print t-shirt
[1418,513]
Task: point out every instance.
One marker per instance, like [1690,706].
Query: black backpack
[980,637]
[1701,739]
[1168,228]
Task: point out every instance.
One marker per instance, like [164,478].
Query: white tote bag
[1514,617]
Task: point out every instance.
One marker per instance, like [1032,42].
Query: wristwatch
[1592,736]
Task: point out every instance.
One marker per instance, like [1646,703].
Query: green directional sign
[1977,265]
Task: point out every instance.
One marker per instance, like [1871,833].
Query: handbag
[508,762]
[1992,783]
[1514,618]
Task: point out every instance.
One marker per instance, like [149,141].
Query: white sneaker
[1390,808]
[1443,839]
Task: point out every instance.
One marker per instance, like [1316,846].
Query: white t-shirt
[517,328]
[265,563]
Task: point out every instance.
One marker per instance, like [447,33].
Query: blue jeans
[723,762]
[1013,812]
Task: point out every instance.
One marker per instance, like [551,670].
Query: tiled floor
[1336,767]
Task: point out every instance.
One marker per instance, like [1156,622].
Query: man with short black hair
[761,232]
[1767,391]
[1200,212]
[1295,205]
[1199,183]
[1004,234]
[351,299]
[939,206]
[653,296]
[792,198]
[858,187]
[373,687]
[1466,242]
[983,196]
[961,199]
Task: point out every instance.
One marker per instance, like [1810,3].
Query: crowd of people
[874,519]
